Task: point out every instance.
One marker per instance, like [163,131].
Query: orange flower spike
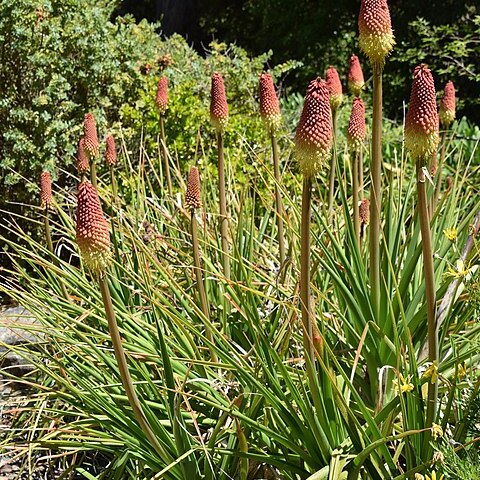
[111,152]
[90,136]
[356,82]
[83,165]
[218,103]
[356,125]
[421,123]
[375,31]
[46,189]
[313,137]
[334,87]
[364,211]
[447,105]
[269,105]
[93,237]
[192,196]
[161,99]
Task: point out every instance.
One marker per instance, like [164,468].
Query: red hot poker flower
[92,233]
[375,31]
[421,123]
[46,189]
[356,81]
[356,125]
[218,103]
[334,87]
[90,135]
[447,105]
[269,105]
[192,197]
[83,165]
[161,99]
[111,152]
[313,137]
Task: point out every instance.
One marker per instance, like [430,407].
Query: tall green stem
[200,285]
[165,154]
[355,188]
[305,271]
[113,181]
[48,237]
[93,172]
[360,171]
[427,252]
[376,193]
[125,374]
[333,166]
[223,206]
[278,200]
[438,185]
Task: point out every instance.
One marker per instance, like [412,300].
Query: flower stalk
[271,116]
[421,140]
[313,140]
[376,41]
[161,101]
[93,240]
[336,97]
[192,202]
[219,119]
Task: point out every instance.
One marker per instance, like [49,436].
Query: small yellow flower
[431,372]
[451,234]
[405,385]
[462,370]
[419,476]
[433,476]
[436,431]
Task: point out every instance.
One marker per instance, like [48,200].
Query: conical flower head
[111,152]
[313,138]
[218,103]
[375,31]
[269,105]
[364,211]
[83,164]
[334,87]
[90,135]
[421,123]
[447,105]
[356,125]
[161,99]
[46,189]
[356,81]
[192,197]
[93,237]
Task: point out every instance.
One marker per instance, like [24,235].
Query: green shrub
[63,60]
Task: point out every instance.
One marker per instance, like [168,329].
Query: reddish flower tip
[334,87]
[356,81]
[90,135]
[447,105]
[111,152]
[269,105]
[313,137]
[46,189]
[161,99]
[192,197]
[92,233]
[375,31]
[83,164]
[218,103]
[356,125]
[421,123]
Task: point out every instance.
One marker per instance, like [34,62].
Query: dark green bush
[60,60]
